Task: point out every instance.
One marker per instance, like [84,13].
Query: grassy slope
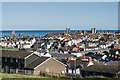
[5,75]
[12,76]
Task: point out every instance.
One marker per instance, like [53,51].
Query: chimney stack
[69,58]
[112,55]
[102,53]
[98,61]
[109,54]
[97,53]
[115,56]
[53,57]
[90,59]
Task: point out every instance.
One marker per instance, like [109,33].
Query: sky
[60,0]
[119,16]
[59,15]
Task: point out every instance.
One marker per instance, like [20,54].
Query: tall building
[21,35]
[67,30]
[93,30]
[13,34]
[83,31]
[101,30]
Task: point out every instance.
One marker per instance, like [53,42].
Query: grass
[5,48]
[6,75]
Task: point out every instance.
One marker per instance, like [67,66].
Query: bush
[101,39]
[78,59]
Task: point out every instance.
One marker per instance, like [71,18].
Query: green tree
[102,39]
[78,59]
[6,69]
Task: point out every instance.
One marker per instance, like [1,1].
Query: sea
[38,33]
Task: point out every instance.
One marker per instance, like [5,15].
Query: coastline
[39,33]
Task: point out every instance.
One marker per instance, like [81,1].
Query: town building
[46,64]
[93,30]
[67,30]
[30,63]
[109,69]
[13,34]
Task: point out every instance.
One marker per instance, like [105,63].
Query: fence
[18,71]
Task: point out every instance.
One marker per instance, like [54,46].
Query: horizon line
[49,29]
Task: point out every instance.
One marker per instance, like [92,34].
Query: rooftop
[15,54]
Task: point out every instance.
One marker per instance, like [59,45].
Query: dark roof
[36,62]
[41,51]
[77,64]
[62,55]
[114,51]
[15,54]
[102,68]
[90,47]
[113,63]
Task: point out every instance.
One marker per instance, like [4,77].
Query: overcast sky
[59,15]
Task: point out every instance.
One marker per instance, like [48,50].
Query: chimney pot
[90,59]
[69,58]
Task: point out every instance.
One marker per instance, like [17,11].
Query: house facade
[46,65]
[30,63]
[14,59]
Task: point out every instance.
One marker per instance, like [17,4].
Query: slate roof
[102,68]
[62,55]
[77,64]
[114,51]
[114,63]
[15,54]
[36,62]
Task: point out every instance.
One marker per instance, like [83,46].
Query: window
[29,71]
[16,60]
[47,70]
[22,61]
[11,67]
[0,66]
[11,59]
[63,72]
[94,73]
[5,59]
[86,74]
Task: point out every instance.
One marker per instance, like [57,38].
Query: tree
[78,59]
[6,69]
[102,39]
